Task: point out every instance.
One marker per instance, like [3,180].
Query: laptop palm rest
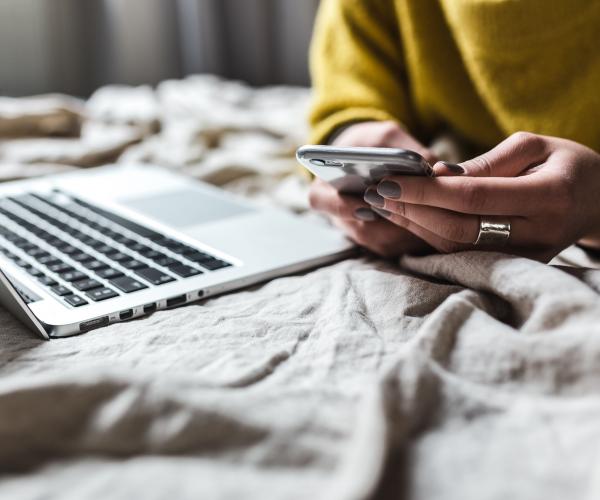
[184,207]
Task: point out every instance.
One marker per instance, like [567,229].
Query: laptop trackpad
[185,207]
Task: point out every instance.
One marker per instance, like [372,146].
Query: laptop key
[61,267]
[54,241]
[60,290]
[68,249]
[125,240]
[35,272]
[75,300]
[127,284]
[60,243]
[94,243]
[109,273]
[101,294]
[190,251]
[184,271]
[36,252]
[12,237]
[140,248]
[119,256]
[133,264]
[20,242]
[78,234]
[22,263]
[154,276]
[87,284]
[95,265]
[35,230]
[197,256]
[81,257]
[166,261]
[175,246]
[152,254]
[46,280]
[72,276]
[183,249]
[112,234]
[167,242]
[88,240]
[122,221]
[27,246]
[106,249]
[214,264]
[48,260]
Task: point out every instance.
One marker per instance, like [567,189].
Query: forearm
[357,67]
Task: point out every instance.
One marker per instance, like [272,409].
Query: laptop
[83,250]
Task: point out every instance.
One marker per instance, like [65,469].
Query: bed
[466,376]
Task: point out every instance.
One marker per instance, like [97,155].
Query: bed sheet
[473,375]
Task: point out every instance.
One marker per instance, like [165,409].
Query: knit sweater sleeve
[357,66]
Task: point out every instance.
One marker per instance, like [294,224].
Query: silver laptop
[82,250]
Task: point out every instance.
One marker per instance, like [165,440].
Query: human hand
[351,213]
[386,134]
[547,187]
[363,226]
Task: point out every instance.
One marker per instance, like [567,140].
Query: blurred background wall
[75,46]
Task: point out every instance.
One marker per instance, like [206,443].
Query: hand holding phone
[352,170]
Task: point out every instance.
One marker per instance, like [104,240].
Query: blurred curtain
[75,46]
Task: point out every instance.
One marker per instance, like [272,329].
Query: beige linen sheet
[466,376]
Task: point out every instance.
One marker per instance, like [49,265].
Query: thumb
[510,158]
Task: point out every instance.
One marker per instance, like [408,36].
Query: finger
[437,242]
[382,237]
[542,253]
[454,226]
[474,195]
[325,198]
[510,158]
[446,168]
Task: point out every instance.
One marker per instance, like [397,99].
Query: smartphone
[353,170]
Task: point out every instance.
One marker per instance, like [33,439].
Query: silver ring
[493,231]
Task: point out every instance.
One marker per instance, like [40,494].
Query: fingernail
[453,167]
[389,189]
[365,214]
[383,213]
[372,197]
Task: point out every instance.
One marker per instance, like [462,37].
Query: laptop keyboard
[84,254]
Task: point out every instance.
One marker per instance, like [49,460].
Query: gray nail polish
[365,214]
[382,212]
[453,167]
[372,197]
[389,189]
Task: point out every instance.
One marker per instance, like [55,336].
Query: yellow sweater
[482,68]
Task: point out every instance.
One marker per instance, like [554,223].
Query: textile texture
[465,376]
[474,67]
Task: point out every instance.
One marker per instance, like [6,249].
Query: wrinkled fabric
[40,116]
[219,131]
[466,376]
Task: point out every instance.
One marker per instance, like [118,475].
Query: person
[518,79]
